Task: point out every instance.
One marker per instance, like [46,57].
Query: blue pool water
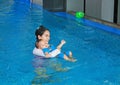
[97,51]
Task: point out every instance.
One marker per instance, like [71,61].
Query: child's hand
[63,41]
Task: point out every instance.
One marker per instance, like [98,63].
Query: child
[51,51]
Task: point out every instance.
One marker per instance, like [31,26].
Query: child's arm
[52,54]
[61,44]
[55,52]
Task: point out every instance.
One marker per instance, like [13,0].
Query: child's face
[45,36]
[42,44]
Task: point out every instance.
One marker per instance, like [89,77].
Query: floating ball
[79,14]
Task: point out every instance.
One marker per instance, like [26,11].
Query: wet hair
[40,31]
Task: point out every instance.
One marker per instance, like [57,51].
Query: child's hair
[36,43]
[40,31]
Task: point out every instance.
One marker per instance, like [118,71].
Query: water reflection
[47,70]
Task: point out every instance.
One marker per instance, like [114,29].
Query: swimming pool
[97,50]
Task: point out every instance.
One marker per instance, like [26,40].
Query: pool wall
[89,22]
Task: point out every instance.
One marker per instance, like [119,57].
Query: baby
[51,51]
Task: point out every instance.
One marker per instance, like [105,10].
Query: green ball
[79,14]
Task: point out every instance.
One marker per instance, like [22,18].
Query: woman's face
[45,36]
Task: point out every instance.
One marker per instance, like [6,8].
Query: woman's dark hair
[40,31]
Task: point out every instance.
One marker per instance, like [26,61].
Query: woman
[43,34]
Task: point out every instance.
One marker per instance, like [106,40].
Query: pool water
[97,51]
